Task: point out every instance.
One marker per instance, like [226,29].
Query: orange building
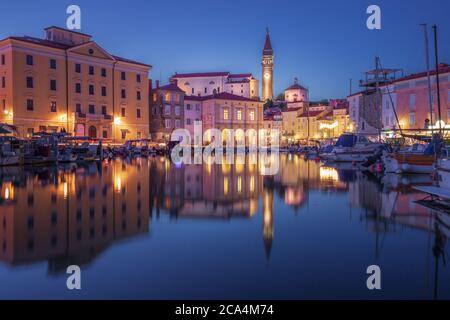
[68,82]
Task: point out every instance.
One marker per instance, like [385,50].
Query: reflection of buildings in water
[209,190]
[71,216]
[297,177]
[268,220]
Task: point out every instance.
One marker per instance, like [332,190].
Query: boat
[418,158]
[137,147]
[10,151]
[442,189]
[85,148]
[67,155]
[352,147]
[41,149]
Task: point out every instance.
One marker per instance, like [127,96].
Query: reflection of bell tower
[268,220]
[267,69]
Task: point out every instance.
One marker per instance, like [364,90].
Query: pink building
[413,98]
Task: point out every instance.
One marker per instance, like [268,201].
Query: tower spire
[267,45]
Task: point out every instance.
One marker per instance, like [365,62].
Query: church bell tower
[267,69]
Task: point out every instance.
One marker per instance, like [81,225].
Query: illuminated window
[167,98]
[225,114]
[168,123]
[225,185]
[239,184]
[239,114]
[252,115]
[177,110]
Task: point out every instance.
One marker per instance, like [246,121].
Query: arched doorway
[92,132]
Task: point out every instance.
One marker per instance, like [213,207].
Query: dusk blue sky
[323,43]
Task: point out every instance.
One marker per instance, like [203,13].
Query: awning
[7,129]
[125,130]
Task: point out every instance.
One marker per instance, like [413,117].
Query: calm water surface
[144,228]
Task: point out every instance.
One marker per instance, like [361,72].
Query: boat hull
[414,163]
[9,160]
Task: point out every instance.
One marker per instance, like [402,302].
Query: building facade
[232,115]
[209,83]
[412,99]
[296,95]
[167,111]
[68,82]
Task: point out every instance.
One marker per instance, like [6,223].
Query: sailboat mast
[427,58]
[437,77]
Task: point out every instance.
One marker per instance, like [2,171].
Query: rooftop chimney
[157,84]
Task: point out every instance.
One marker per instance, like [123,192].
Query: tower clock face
[267,75]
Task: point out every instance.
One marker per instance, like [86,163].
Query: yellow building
[290,131]
[68,82]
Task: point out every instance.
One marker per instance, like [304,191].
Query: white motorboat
[353,148]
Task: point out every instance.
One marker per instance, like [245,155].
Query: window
[239,114]
[91,109]
[123,94]
[167,97]
[104,91]
[104,134]
[78,107]
[188,107]
[197,107]
[104,110]
[177,123]
[52,64]
[168,123]
[138,95]
[4,104]
[124,134]
[252,115]
[91,70]
[412,100]
[206,90]
[91,89]
[77,87]
[29,82]
[77,68]
[29,60]
[188,121]
[3,59]
[52,106]
[123,76]
[103,72]
[192,90]
[412,119]
[53,85]
[177,110]
[167,109]
[225,114]
[123,112]
[138,113]
[30,104]
[3,82]
[138,78]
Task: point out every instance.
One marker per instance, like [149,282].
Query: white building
[389,104]
[296,96]
[209,83]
